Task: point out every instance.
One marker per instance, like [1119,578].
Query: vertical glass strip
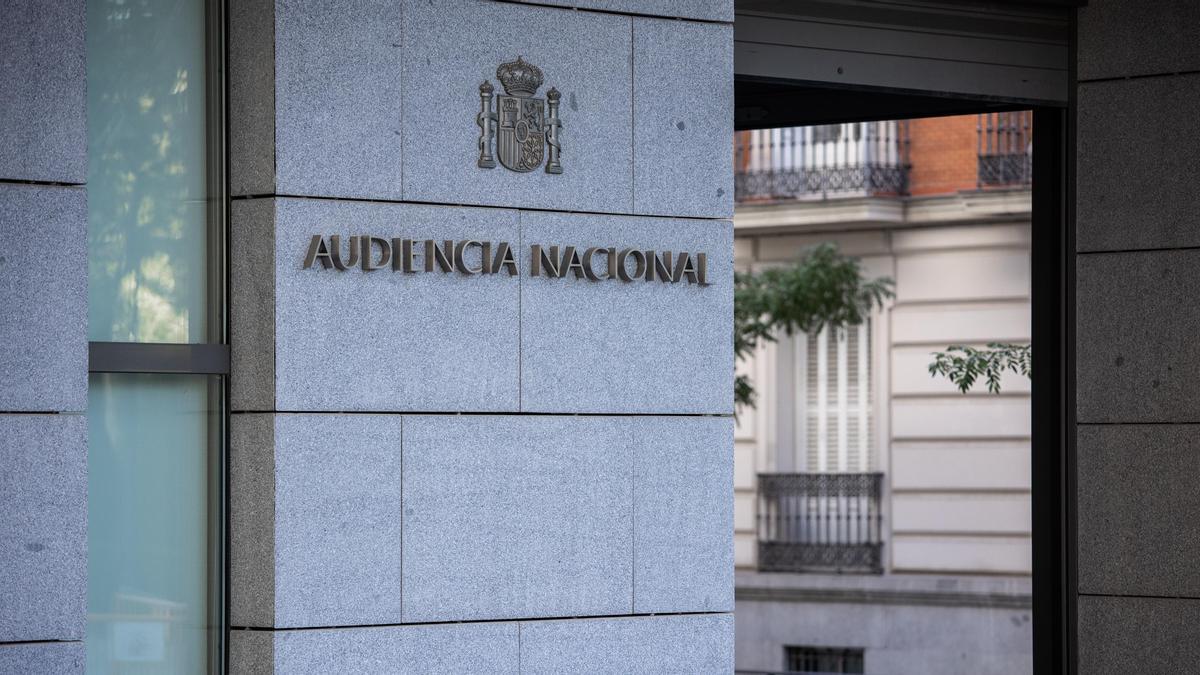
[147,171]
[152,443]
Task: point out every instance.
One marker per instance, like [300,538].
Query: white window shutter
[836,400]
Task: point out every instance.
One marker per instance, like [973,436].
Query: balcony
[1005,149]
[820,522]
[819,162]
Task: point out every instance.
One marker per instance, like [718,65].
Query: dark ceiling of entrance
[762,104]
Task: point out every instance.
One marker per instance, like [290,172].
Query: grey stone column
[1138,269]
[43,338]
[479,473]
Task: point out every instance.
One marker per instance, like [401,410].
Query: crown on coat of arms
[520,78]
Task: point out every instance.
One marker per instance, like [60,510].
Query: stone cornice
[920,590]
[861,213]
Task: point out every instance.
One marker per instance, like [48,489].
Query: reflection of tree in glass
[146,173]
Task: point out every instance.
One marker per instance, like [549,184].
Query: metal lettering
[504,258]
[335,243]
[587,263]
[639,264]
[685,268]
[661,266]
[461,263]
[385,253]
[571,263]
[408,256]
[485,257]
[535,261]
[317,250]
[539,257]
[372,253]
[443,256]
[397,253]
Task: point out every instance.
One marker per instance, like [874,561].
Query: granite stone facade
[700,643]
[436,471]
[1137,465]
[43,88]
[43,337]
[43,280]
[43,532]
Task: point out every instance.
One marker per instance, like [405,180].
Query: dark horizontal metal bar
[159,358]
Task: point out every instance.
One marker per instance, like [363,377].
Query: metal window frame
[210,358]
[846,656]
[1053,394]
[158,358]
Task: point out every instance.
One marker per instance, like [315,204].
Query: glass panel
[146,170]
[151,518]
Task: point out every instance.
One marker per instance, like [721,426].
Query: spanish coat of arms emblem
[524,126]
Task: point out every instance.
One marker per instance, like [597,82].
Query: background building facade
[883,518]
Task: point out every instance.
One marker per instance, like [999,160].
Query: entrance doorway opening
[887,522]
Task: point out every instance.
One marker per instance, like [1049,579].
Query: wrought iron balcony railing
[820,522]
[1005,149]
[817,162]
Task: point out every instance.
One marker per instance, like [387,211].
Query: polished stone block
[1119,38]
[43,283]
[452,46]
[43,527]
[683,514]
[336,519]
[708,10]
[683,118]
[516,516]
[393,341]
[1136,484]
[252,304]
[43,92]
[1135,338]
[251,652]
[252,520]
[628,347]
[252,97]
[483,648]
[315,95]
[338,98]
[651,644]
[1137,159]
[1150,636]
[43,658]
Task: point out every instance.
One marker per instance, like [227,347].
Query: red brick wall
[943,154]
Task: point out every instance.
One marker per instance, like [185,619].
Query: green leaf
[822,289]
[964,365]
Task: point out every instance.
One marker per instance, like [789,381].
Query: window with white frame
[835,397]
